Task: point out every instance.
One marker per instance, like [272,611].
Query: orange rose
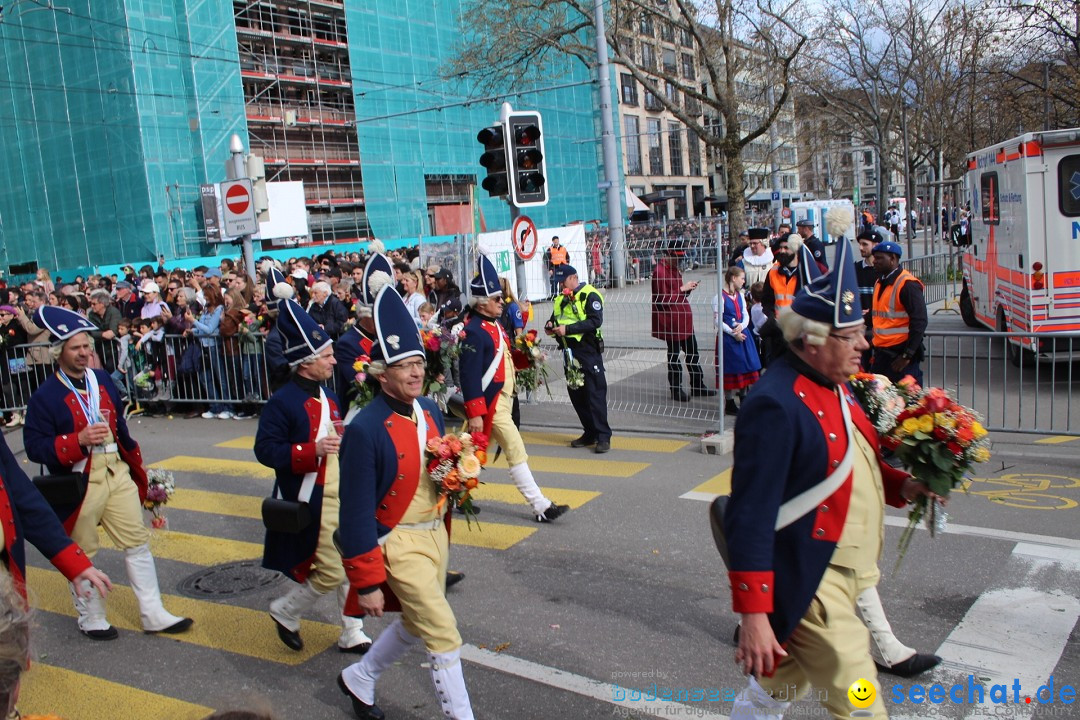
[481,455]
[965,435]
[471,483]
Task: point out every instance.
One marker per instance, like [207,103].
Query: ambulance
[814,211]
[1022,257]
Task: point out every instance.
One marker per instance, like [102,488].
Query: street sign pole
[235,169]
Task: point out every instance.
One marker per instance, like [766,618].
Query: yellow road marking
[244,442]
[215,466]
[572,466]
[716,485]
[220,627]
[493,536]
[505,493]
[207,501]
[1056,440]
[47,689]
[640,444]
[195,549]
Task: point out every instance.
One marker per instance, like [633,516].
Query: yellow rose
[926,424]
[981,454]
[978,431]
[910,425]
[468,466]
[358,366]
[945,421]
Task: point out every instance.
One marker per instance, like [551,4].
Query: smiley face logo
[862,693]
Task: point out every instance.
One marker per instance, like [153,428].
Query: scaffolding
[298,96]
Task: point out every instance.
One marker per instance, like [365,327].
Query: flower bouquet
[454,464]
[441,349]
[530,362]
[575,376]
[936,438]
[160,487]
[365,391]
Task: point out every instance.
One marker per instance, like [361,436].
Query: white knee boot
[885,648]
[352,638]
[450,685]
[91,611]
[288,610]
[391,644]
[526,485]
[753,703]
[144,583]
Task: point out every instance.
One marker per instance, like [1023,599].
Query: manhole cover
[231,580]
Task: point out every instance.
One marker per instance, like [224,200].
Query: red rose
[890,442]
[480,440]
[955,449]
[531,335]
[940,433]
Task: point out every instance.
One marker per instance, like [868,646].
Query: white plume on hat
[376,246]
[378,281]
[794,242]
[839,220]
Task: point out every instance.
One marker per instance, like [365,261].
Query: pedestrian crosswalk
[231,485]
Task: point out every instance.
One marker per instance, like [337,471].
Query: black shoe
[602,446]
[738,632]
[361,709]
[453,577]
[108,633]
[702,392]
[292,640]
[730,408]
[583,441]
[358,649]
[553,511]
[914,665]
[175,628]
[679,395]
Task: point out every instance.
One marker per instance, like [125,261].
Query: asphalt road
[568,620]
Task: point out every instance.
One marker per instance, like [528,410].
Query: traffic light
[256,171]
[528,184]
[493,138]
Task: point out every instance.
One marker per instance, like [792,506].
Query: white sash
[90,407]
[493,368]
[807,500]
[307,486]
[421,430]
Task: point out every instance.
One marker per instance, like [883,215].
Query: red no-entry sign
[238,210]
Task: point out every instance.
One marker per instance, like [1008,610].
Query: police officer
[899,316]
[575,323]
[805,228]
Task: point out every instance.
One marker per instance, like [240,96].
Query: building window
[667,31]
[675,147]
[629,89]
[787,182]
[646,28]
[656,148]
[688,66]
[685,38]
[652,102]
[672,93]
[632,141]
[648,56]
[693,149]
[669,61]
[867,157]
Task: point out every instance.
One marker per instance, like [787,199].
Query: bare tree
[745,49]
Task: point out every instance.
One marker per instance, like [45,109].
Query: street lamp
[1046,91]
[907,176]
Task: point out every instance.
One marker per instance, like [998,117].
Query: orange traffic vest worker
[783,286]
[892,324]
[558,255]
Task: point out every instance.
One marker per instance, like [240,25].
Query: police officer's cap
[889,246]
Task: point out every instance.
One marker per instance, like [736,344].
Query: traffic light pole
[612,181]
[236,169]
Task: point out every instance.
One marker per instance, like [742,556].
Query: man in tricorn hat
[805,531]
[74,424]
[299,437]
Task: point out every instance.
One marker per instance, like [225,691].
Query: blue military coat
[481,344]
[285,441]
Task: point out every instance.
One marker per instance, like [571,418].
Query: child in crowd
[426,311]
[741,362]
[123,356]
[757,310]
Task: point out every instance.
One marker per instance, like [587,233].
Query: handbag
[286,516]
[61,490]
[190,359]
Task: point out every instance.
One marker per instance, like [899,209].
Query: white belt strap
[493,368]
[806,501]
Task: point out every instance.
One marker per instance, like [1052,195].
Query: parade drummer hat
[808,266]
[833,298]
[397,337]
[276,287]
[61,322]
[486,283]
[370,282]
[301,336]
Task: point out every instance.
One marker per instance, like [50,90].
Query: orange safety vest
[891,321]
[783,287]
[558,255]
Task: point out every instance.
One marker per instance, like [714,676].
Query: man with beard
[782,282]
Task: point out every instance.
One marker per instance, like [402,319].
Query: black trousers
[590,400]
[689,347]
